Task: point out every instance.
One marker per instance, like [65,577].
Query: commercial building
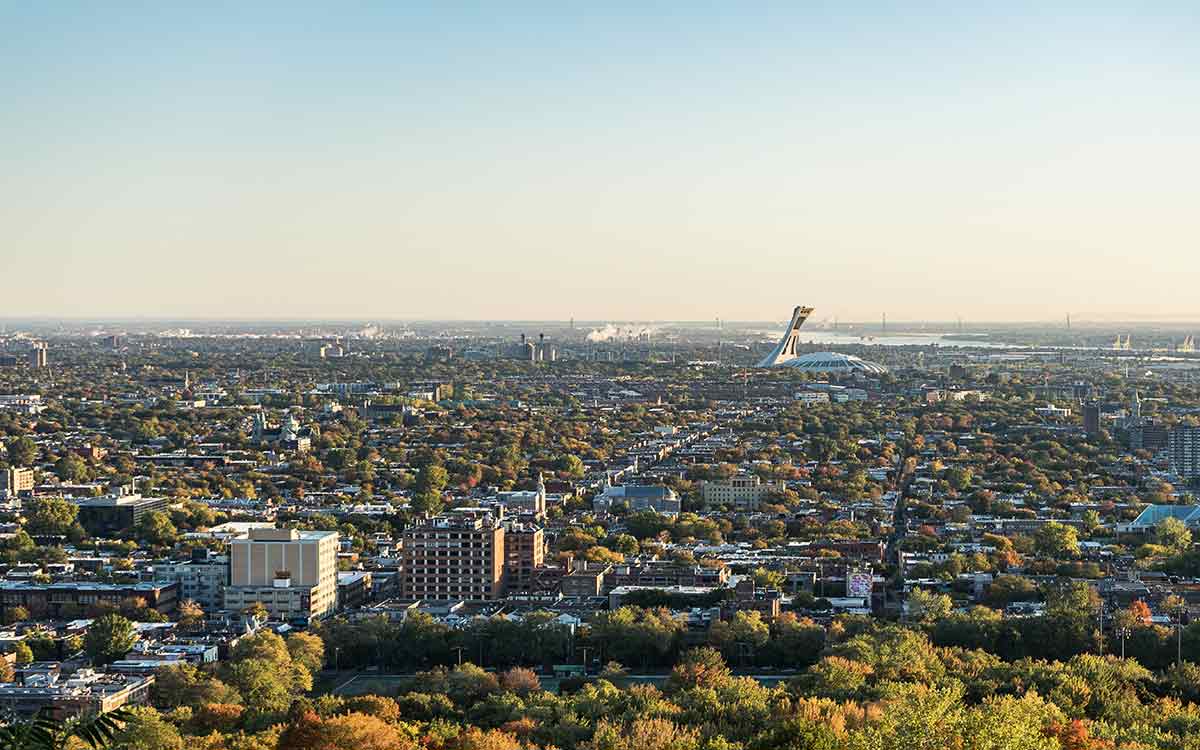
[743,492]
[293,574]
[457,556]
[71,599]
[1183,451]
[15,482]
[112,515]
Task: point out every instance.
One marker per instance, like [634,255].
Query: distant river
[836,338]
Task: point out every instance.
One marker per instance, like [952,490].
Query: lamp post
[1179,641]
[1176,608]
[1122,633]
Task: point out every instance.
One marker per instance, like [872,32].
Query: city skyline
[293,162]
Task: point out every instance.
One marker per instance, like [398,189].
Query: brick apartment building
[457,556]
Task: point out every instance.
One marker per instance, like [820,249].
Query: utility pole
[459,649]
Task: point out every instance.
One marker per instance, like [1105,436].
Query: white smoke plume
[612,332]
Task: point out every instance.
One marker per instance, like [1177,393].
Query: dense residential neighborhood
[207,530]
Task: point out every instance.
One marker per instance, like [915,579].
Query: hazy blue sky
[679,161]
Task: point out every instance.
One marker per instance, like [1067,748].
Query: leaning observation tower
[786,348]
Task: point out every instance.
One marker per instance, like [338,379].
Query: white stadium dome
[785,354]
[833,362]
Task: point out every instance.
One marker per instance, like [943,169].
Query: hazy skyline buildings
[288,160]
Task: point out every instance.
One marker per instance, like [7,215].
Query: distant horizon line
[818,325]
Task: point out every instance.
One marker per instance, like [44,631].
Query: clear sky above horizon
[680,161]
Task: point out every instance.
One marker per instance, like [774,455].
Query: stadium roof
[833,362]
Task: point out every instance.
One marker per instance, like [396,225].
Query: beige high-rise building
[292,573]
